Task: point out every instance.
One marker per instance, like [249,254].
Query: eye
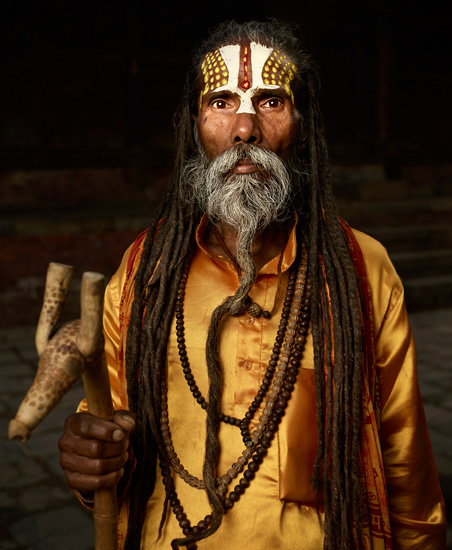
[219,104]
[272,103]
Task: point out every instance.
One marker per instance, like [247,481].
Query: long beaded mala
[276,387]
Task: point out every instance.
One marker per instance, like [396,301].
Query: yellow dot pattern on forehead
[279,71]
[214,72]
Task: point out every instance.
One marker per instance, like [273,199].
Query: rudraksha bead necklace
[279,378]
[180,333]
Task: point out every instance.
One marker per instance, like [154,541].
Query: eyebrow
[265,92]
[262,92]
[220,93]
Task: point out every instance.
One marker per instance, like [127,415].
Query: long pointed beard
[247,202]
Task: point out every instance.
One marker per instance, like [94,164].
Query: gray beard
[247,202]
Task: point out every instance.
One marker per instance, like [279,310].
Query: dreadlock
[336,319]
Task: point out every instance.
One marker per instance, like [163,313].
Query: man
[262,345]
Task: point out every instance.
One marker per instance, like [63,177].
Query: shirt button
[249,320]
[247,365]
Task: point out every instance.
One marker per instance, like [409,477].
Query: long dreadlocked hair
[336,328]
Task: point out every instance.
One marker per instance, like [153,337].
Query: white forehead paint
[259,55]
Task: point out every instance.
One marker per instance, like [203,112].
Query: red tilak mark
[245,83]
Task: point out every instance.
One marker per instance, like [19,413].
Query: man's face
[247,98]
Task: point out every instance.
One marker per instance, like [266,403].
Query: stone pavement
[37,510]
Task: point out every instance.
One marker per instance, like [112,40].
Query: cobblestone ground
[37,510]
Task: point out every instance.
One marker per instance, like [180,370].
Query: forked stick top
[58,281]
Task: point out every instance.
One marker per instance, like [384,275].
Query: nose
[246,129]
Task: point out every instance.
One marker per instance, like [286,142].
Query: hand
[93,452]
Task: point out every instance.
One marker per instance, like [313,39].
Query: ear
[194,126]
[303,133]
[195,132]
[303,142]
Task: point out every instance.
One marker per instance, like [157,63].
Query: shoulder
[127,268]
[375,255]
[385,285]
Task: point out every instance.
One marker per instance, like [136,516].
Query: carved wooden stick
[76,348]
[61,363]
[90,342]
[58,281]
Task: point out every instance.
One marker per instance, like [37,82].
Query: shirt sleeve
[112,334]
[416,504]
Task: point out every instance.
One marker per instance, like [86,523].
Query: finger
[92,466]
[87,483]
[88,426]
[91,448]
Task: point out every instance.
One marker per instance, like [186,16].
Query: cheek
[288,135]
[211,134]
[280,137]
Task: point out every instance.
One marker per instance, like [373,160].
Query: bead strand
[277,386]
[271,426]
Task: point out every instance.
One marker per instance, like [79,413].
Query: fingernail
[118,435]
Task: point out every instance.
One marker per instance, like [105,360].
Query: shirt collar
[270,268]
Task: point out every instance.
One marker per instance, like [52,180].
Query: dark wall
[89,89]
[89,81]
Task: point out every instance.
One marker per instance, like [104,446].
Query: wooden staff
[90,342]
[76,349]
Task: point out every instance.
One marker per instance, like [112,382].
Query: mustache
[264,159]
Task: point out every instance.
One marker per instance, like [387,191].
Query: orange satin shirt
[278,510]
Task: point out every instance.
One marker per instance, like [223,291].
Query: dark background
[88,90]
[87,94]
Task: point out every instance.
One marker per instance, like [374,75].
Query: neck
[266,245]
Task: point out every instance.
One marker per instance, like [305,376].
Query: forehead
[246,67]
